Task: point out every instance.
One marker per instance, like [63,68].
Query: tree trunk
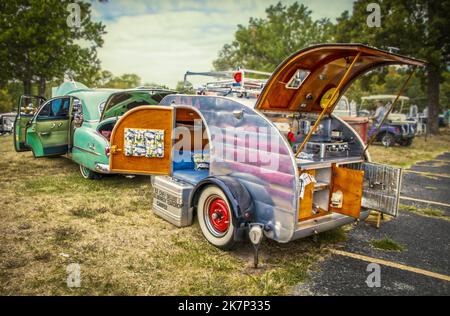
[27,86]
[42,85]
[433,99]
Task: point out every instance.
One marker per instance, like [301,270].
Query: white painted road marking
[424,201]
[439,160]
[392,264]
[428,174]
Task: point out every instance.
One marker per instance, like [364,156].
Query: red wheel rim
[219,215]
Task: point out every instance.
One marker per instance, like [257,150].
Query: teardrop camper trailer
[285,164]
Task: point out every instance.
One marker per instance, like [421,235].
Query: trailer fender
[238,196]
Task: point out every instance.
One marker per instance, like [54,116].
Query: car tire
[89,174]
[215,218]
[406,142]
[388,140]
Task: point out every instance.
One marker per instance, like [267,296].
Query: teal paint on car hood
[68,87]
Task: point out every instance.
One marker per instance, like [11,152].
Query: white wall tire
[89,174]
[215,217]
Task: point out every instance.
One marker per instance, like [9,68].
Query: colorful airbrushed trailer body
[249,173]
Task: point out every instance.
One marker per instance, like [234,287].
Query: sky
[160,40]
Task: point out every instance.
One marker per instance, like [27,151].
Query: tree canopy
[417,28]
[37,43]
[265,42]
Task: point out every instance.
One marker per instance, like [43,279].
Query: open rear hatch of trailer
[303,81]
[311,82]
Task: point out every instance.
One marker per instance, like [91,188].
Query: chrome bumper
[322,224]
[102,168]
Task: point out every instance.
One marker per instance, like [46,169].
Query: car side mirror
[29,122]
[78,120]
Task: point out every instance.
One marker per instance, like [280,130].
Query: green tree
[6,102]
[185,88]
[156,85]
[125,81]
[387,81]
[417,27]
[37,43]
[266,42]
[9,95]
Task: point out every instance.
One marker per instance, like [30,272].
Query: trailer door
[141,141]
[346,191]
[381,190]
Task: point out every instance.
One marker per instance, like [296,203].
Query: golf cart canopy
[384,97]
[308,80]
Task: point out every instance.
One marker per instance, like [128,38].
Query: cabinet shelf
[320,185]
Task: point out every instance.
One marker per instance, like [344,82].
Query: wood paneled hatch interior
[337,188]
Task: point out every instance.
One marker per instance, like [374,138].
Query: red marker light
[237,77]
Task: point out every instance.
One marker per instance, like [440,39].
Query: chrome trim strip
[86,151]
[324,223]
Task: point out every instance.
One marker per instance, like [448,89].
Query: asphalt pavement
[426,242]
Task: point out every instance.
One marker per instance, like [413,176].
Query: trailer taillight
[237,76]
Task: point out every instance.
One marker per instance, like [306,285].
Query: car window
[55,108]
[60,107]
[45,110]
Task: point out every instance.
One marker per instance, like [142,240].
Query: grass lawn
[50,217]
[386,244]
[427,212]
[421,149]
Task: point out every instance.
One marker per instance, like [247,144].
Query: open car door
[141,141]
[47,133]
[27,108]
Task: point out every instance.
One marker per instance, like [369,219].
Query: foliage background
[38,50]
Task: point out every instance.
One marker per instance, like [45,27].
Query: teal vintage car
[77,122]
